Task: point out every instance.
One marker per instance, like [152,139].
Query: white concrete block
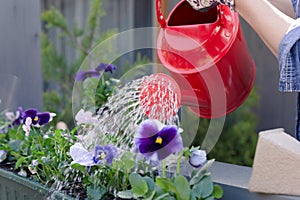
[276,167]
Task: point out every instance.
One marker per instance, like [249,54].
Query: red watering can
[206,54]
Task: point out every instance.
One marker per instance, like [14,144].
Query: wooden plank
[20,53]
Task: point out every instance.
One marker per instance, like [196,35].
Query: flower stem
[164,168]
[178,163]
[102,79]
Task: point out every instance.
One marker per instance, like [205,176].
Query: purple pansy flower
[32,167]
[102,155]
[95,72]
[85,117]
[157,141]
[17,118]
[106,67]
[28,118]
[198,158]
[3,130]
[38,119]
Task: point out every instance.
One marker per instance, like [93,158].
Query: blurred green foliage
[58,73]
[238,139]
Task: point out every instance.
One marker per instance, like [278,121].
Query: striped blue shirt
[289,61]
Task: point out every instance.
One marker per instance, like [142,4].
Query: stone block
[276,167]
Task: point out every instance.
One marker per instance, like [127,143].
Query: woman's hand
[203,5]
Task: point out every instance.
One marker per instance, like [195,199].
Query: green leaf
[166,184]
[150,183]
[126,163]
[54,18]
[13,134]
[170,198]
[151,188]
[207,186]
[150,195]
[209,198]
[15,145]
[193,196]
[195,179]
[128,194]
[204,188]
[182,187]
[96,193]
[19,162]
[162,196]
[138,184]
[218,191]
[79,167]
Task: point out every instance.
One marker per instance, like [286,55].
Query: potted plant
[62,163]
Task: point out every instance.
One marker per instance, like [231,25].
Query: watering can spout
[206,54]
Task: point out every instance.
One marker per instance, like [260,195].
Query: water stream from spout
[148,97]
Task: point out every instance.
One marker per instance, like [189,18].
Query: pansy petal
[3,130]
[19,112]
[80,155]
[28,121]
[175,146]
[85,117]
[168,133]
[43,118]
[198,158]
[111,152]
[92,74]
[161,144]
[82,75]
[148,128]
[30,113]
[19,117]
[148,145]
[101,67]
[98,150]
[106,67]
[10,115]
[52,115]
[79,116]
[110,68]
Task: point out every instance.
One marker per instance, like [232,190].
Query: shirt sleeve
[289,59]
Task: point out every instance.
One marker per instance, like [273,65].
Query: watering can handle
[160,17]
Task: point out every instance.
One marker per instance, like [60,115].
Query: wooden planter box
[233,179]
[16,187]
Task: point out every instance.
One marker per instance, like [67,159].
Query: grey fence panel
[119,16]
[20,55]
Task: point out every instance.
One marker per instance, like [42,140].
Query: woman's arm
[284,6]
[270,23]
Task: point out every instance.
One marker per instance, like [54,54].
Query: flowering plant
[156,166]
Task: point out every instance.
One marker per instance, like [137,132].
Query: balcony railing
[234,181]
